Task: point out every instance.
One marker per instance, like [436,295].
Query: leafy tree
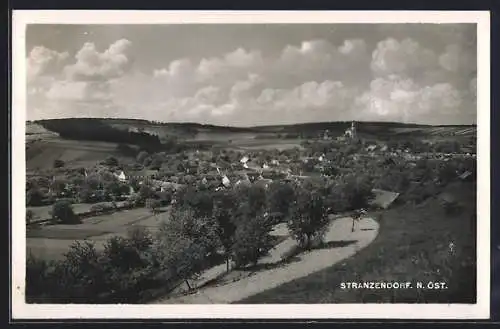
[40,280]
[309,218]
[252,238]
[201,202]
[62,212]
[254,195]
[156,163]
[153,205]
[142,156]
[111,161]
[225,206]
[29,216]
[80,276]
[279,198]
[447,173]
[128,265]
[185,242]
[34,197]
[145,192]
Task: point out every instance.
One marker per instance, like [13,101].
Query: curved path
[341,244]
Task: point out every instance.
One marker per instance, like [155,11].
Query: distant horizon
[253,126]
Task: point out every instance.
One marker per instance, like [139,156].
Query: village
[163,174]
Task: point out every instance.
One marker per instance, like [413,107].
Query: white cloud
[42,60]
[314,81]
[91,65]
[82,91]
[401,99]
[458,60]
[404,58]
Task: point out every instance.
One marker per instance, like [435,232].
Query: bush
[153,205]
[34,197]
[102,207]
[62,212]
[29,216]
[309,218]
[141,157]
[58,163]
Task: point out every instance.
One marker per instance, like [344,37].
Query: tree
[62,212]
[128,264]
[145,192]
[356,191]
[252,238]
[34,197]
[185,243]
[153,205]
[309,218]
[58,163]
[156,163]
[225,206]
[279,196]
[29,216]
[142,156]
[80,276]
[111,161]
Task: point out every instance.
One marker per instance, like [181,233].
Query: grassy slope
[412,245]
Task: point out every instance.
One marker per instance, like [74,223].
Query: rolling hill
[85,141]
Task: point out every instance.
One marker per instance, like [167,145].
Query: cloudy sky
[253,74]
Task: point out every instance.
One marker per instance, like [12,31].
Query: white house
[244,160]
[121,176]
[226,182]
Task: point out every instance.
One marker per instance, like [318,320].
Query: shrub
[128,264]
[58,163]
[141,157]
[34,197]
[29,216]
[62,212]
[153,205]
[80,276]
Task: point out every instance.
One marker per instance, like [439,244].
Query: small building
[226,182]
[121,176]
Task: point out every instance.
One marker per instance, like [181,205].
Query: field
[52,241]
[43,212]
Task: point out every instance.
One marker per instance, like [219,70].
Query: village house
[144,176]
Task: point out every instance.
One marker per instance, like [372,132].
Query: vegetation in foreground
[233,225]
[429,242]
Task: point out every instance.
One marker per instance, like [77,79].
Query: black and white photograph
[328,160]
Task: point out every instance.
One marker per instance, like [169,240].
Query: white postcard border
[22,310]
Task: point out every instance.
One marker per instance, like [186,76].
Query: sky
[260,74]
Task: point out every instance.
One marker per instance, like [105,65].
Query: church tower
[353,130]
